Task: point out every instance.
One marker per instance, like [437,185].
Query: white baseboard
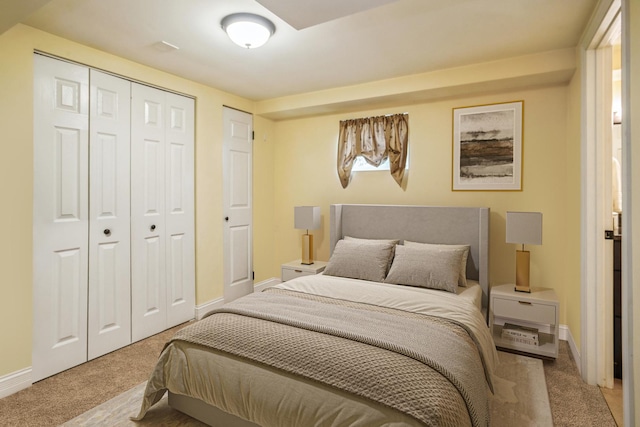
[261,286]
[203,309]
[15,381]
[565,334]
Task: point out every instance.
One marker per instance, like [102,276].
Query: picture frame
[487,147]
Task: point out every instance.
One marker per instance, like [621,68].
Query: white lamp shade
[524,228]
[307,217]
[248,30]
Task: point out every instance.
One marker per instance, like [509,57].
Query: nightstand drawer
[524,310]
[288,274]
[293,269]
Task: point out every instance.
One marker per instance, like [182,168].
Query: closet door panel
[179,210]
[109,225]
[60,216]
[148,227]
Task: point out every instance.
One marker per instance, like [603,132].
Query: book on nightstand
[520,334]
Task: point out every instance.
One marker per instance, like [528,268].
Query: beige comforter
[443,390]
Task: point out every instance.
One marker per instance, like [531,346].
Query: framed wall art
[487,147]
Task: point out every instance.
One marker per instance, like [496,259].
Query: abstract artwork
[487,147]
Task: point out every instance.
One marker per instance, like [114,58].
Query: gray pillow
[462,278]
[393,242]
[432,269]
[357,260]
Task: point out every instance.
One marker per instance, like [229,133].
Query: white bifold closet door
[162,210]
[60,216]
[81,215]
[109,315]
[113,213]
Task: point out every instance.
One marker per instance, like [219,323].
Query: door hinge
[253,275]
[253,135]
[608,234]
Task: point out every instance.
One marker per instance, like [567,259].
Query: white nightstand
[294,269]
[538,309]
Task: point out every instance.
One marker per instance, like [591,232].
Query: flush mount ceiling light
[248,30]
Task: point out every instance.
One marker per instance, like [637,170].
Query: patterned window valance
[375,139]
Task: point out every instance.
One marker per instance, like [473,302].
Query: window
[361,165]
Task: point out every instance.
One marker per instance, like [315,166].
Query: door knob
[226,218]
[107,232]
[153,227]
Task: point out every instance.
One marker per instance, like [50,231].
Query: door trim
[596,297]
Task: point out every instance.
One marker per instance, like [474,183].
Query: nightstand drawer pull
[298,271]
[524,302]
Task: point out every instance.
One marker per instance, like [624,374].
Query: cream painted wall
[305,173]
[16,169]
[264,263]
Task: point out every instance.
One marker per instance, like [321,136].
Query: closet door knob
[226,218]
[153,227]
[107,232]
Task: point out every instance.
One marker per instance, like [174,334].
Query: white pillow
[432,269]
[357,260]
[464,249]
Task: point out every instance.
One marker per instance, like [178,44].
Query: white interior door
[148,245]
[179,209]
[237,204]
[60,216]
[109,219]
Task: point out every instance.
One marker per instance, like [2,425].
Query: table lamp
[307,218]
[523,228]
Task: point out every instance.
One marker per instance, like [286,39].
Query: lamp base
[307,249]
[522,271]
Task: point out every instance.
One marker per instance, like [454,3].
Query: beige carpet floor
[59,398]
[573,402]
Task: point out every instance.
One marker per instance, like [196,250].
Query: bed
[351,347]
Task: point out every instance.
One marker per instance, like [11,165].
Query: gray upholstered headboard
[427,224]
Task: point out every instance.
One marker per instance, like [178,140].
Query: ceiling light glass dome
[248,30]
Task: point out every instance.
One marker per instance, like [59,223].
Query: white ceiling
[333,48]
[302,14]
